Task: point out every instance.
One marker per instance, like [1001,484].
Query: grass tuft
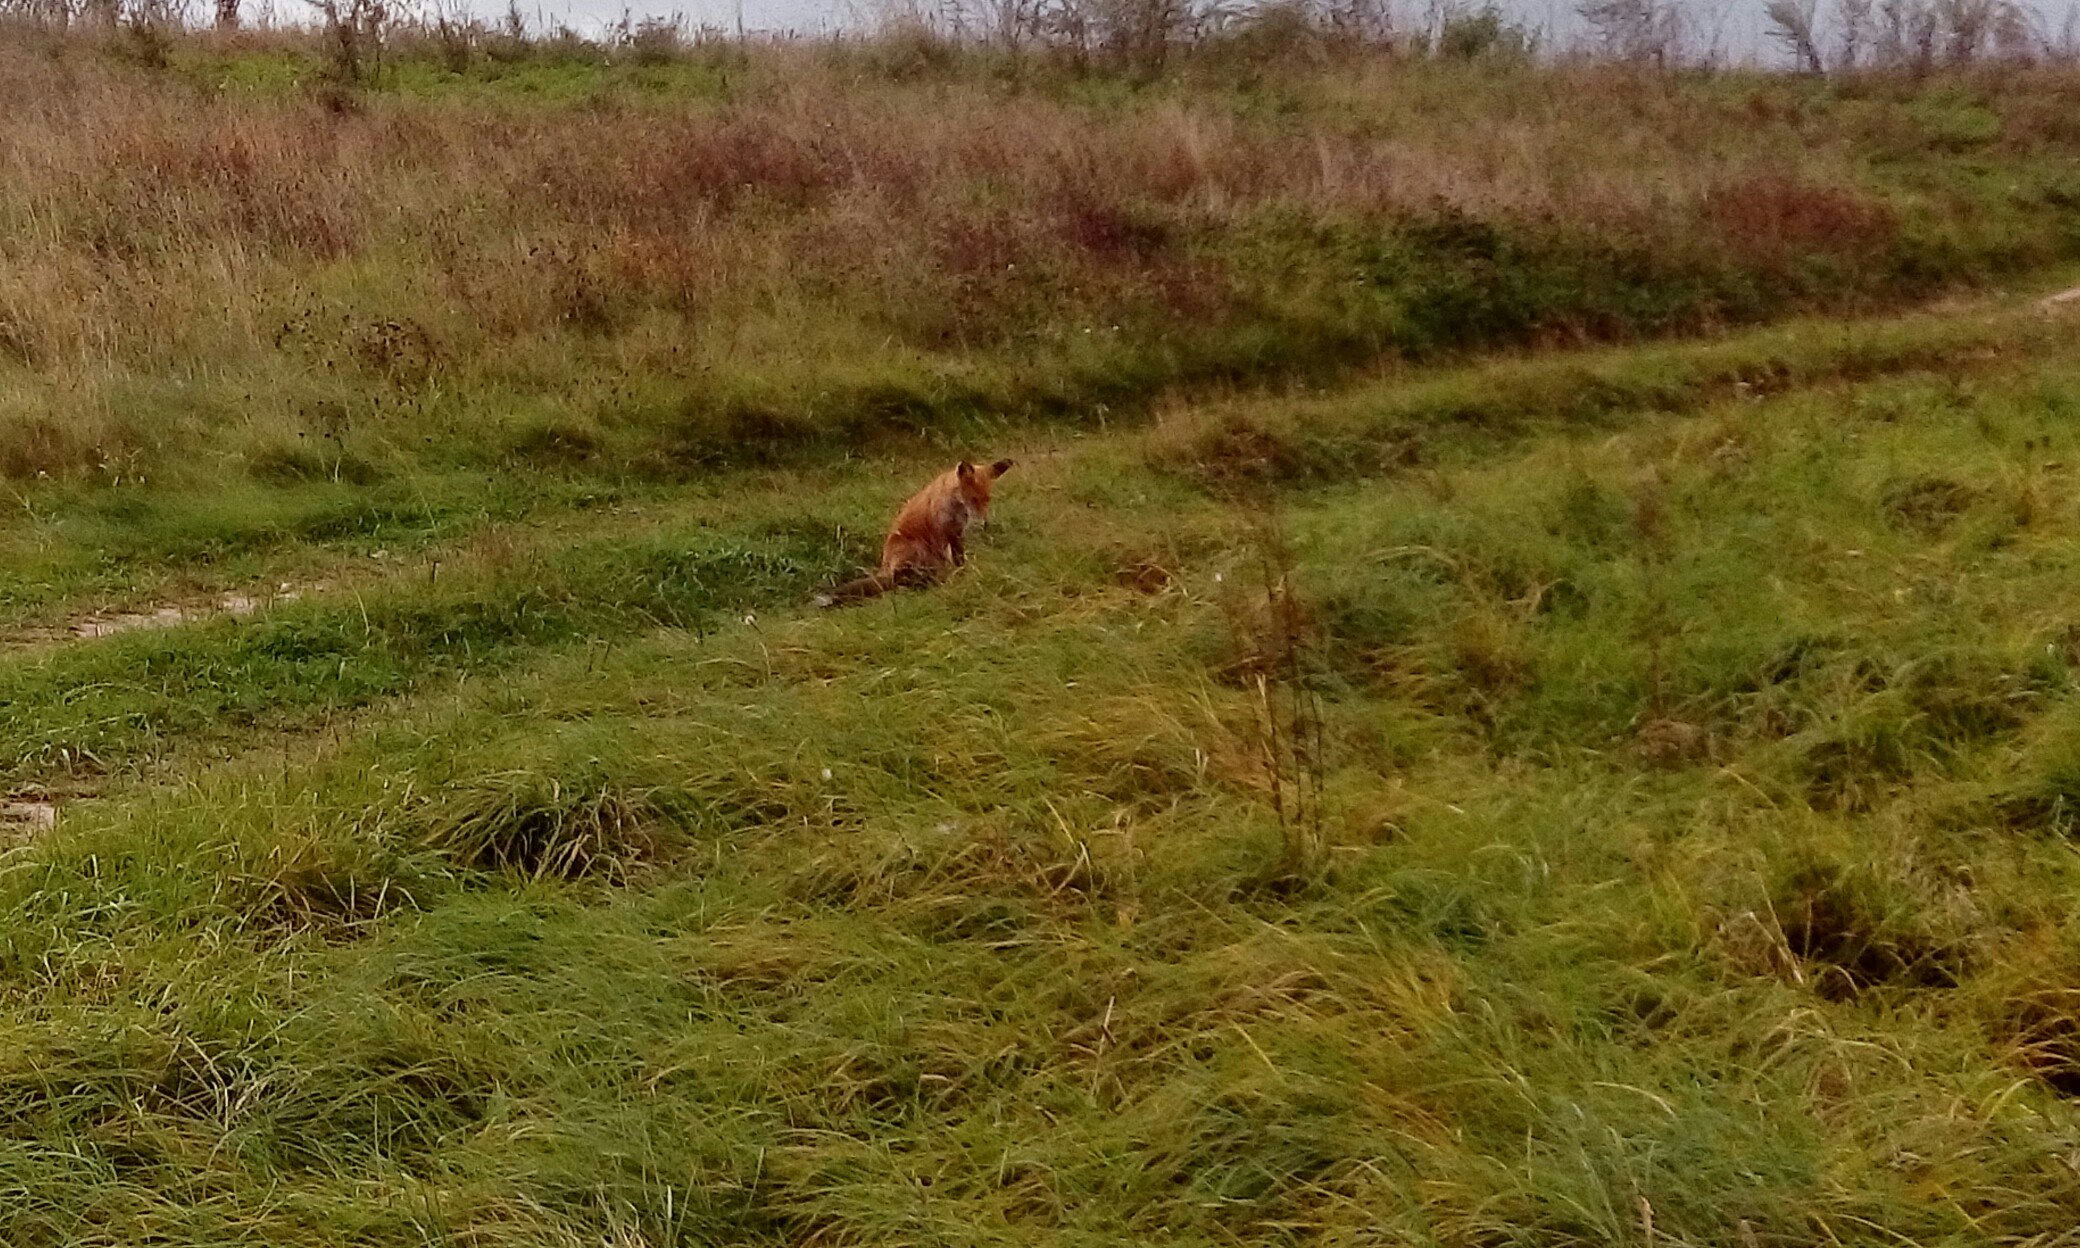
[542,827]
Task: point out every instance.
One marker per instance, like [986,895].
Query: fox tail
[857,591]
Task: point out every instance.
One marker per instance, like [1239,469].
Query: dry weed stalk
[1285,677]
[352,38]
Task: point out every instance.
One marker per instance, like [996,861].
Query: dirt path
[27,814]
[24,818]
[171,615]
[95,625]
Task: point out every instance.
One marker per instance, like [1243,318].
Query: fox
[927,539]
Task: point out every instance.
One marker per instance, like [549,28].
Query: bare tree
[1635,30]
[44,14]
[1706,22]
[2016,33]
[1906,34]
[1854,17]
[1010,23]
[1791,23]
[353,31]
[1360,21]
[1967,25]
[1142,32]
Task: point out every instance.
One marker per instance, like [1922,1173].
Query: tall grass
[1695,779]
[749,248]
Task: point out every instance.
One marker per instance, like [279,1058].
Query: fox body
[928,537]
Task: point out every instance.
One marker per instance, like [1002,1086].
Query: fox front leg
[957,550]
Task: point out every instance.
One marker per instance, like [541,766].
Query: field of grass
[230,267]
[1678,841]
[1564,733]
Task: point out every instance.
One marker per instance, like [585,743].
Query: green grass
[1697,728]
[551,262]
[80,709]
[1450,740]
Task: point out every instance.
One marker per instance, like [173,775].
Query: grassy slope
[1697,751]
[220,271]
[1698,766]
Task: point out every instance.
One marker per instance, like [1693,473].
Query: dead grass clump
[1365,628]
[1850,766]
[1110,231]
[45,446]
[1488,650]
[1144,576]
[1928,505]
[1236,450]
[2041,1028]
[1667,741]
[311,459]
[403,352]
[1776,217]
[26,814]
[319,892]
[1140,749]
[1961,700]
[542,826]
[1242,450]
[733,432]
[556,443]
[2045,796]
[1853,930]
[1926,714]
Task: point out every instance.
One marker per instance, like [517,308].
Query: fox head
[976,483]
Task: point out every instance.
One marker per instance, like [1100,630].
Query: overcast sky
[1735,27]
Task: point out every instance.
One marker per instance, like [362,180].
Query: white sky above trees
[1735,29]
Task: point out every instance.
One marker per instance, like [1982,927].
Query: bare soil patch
[24,818]
[94,625]
[170,615]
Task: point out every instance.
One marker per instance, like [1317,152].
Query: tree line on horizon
[1816,36]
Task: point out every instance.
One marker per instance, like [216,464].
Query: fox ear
[964,470]
[1001,467]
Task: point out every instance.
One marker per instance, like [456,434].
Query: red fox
[925,542]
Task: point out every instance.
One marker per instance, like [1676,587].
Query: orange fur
[928,537]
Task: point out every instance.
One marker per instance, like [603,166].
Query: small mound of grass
[2042,1025]
[1854,931]
[544,826]
[1928,505]
[331,896]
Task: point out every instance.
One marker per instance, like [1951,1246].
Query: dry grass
[799,234]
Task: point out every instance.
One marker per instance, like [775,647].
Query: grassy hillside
[1427,754]
[1633,819]
[231,266]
